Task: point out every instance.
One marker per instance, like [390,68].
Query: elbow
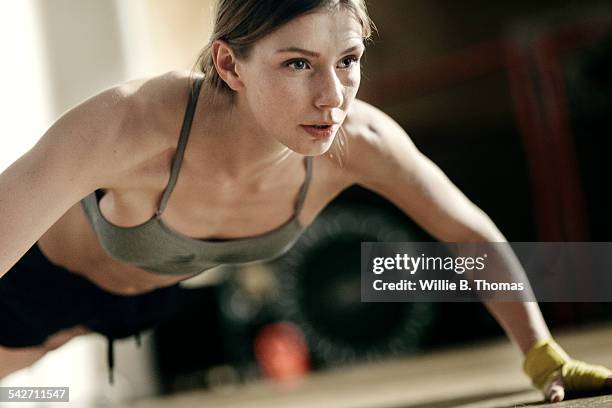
[483,229]
[477,228]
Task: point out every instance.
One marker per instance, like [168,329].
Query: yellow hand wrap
[546,360]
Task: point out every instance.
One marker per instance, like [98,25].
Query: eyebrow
[316,54]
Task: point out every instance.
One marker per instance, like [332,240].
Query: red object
[281,352]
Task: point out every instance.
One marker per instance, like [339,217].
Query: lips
[321,131]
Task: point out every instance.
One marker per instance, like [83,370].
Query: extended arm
[383,159]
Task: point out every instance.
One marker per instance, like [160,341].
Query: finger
[555,391]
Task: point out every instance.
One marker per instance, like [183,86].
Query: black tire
[321,289]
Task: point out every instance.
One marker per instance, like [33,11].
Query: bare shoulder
[132,123]
[377,145]
[115,131]
[159,102]
[154,108]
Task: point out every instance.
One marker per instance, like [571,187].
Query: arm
[77,154]
[383,159]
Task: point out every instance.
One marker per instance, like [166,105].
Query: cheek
[269,86]
[353,81]
[277,98]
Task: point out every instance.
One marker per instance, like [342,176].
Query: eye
[298,65]
[349,61]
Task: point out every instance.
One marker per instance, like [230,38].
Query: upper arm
[77,154]
[382,158]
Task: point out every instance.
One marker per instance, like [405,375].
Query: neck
[238,149]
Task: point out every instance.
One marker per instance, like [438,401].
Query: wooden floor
[486,375]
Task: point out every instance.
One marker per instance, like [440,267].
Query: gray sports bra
[156,247]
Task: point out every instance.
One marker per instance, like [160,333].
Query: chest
[203,207]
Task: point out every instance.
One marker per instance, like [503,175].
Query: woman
[97,214]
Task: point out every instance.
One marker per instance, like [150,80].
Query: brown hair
[241,23]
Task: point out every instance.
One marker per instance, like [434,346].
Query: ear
[225,64]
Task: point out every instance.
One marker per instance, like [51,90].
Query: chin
[307,145]
[311,147]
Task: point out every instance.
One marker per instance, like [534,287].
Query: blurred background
[512,99]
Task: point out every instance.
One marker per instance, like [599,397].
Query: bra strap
[182,144]
[304,189]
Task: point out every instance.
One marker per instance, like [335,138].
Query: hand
[555,391]
[553,371]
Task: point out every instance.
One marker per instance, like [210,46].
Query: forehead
[317,31]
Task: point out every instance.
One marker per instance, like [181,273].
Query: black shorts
[38,299]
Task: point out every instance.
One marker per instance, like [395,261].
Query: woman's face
[305,73]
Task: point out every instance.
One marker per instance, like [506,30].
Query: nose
[329,90]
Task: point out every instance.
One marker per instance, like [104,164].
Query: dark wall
[449,60]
